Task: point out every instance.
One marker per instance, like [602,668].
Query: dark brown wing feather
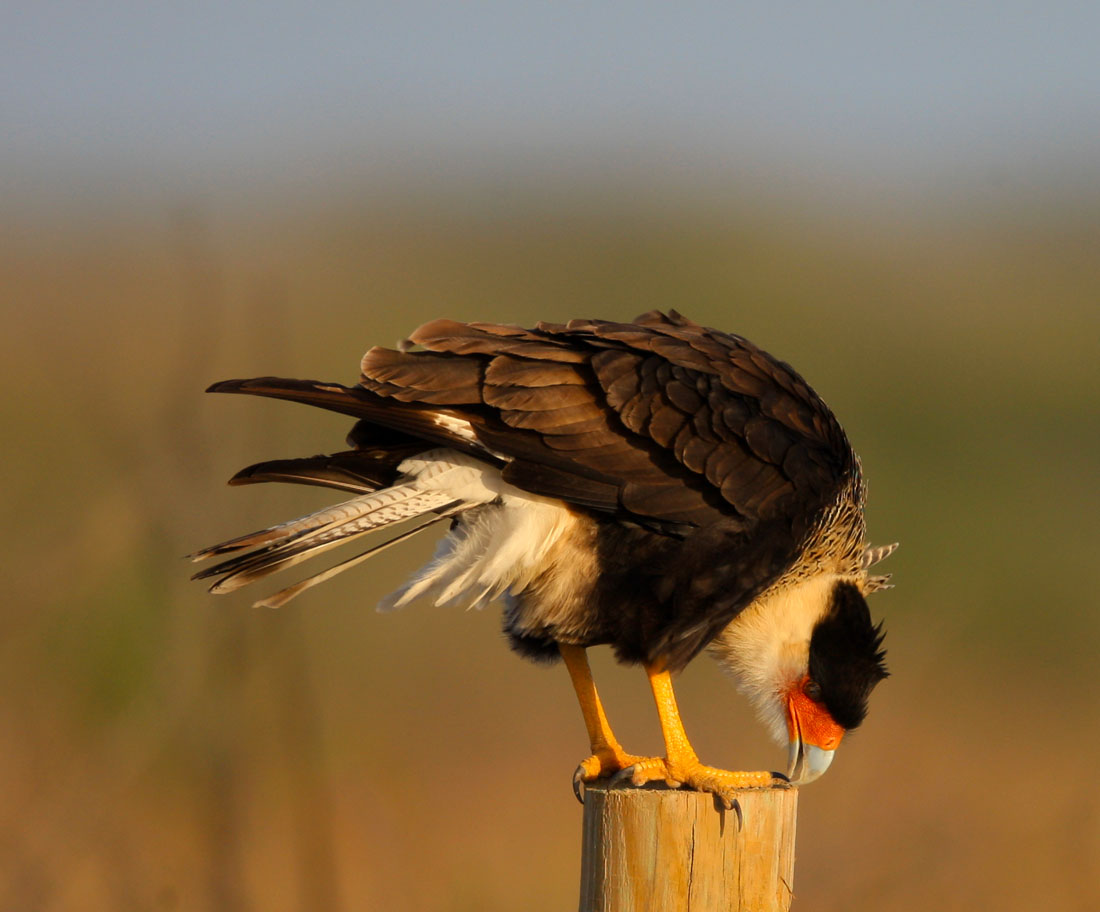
[690,425]
[745,420]
[357,471]
[541,405]
[410,421]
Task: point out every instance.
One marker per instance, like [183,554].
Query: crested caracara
[656,486]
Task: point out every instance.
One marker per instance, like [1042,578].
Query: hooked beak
[814,737]
[806,762]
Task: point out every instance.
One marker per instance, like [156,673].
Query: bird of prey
[656,486]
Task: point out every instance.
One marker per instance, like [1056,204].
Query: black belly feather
[656,596]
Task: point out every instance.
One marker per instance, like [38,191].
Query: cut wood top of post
[681,851]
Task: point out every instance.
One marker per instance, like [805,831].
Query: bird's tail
[286,544]
[390,470]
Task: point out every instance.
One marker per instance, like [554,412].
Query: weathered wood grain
[666,850]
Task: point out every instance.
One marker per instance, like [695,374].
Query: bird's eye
[812,690]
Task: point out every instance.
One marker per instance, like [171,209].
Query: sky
[207,95]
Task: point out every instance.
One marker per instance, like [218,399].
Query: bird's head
[808,657]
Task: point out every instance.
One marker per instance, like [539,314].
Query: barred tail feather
[381,505]
[283,596]
[284,545]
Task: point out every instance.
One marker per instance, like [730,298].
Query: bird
[655,486]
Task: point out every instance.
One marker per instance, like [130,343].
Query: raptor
[656,486]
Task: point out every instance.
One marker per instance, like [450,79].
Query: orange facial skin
[809,720]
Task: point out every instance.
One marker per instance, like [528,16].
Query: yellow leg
[680,765]
[607,754]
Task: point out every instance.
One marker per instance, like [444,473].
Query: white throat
[767,646]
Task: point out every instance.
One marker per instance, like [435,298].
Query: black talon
[627,773]
[578,784]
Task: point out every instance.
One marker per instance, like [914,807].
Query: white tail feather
[498,546]
[497,549]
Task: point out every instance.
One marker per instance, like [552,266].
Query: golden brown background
[928,257]
[167,749]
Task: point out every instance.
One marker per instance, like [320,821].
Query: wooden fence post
[670,850]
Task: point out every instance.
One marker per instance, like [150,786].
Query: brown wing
[539,404]
[731,413]
[661,418]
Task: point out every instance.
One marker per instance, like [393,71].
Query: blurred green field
[168,750]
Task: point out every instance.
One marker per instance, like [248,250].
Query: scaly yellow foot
[681,766]
[605,761]
[695,775]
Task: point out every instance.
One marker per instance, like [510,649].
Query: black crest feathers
[846,655]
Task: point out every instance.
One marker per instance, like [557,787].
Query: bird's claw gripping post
[606,761]
[723,784]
